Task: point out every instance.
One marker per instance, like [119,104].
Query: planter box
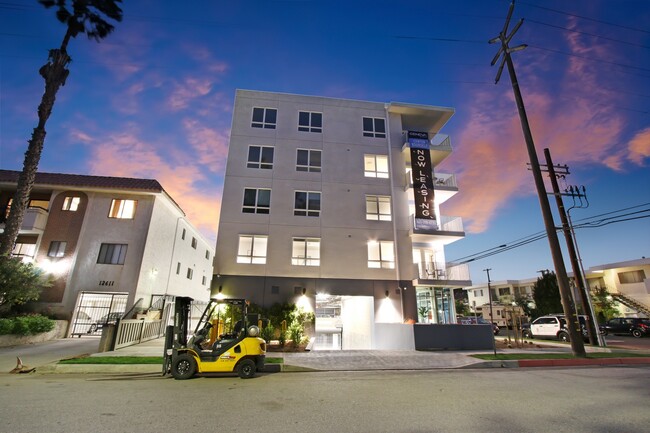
[60,328]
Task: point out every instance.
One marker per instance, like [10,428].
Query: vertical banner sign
[422,174]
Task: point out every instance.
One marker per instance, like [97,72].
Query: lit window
[24,249]
[308,160]
[381,254]
[190,273]
[260,157]
[375,166]
[252,249]
[57,249]
[264,118]
[122,209]
[378,208]
[374,127]
[112,254]
[256,200]
[307,203]
[305,252]
[71,203]
[310,122]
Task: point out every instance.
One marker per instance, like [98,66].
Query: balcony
[438,151]
[34,220]
[444,185]
[450,229]
[441,274]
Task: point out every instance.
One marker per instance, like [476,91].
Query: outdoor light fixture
[304,291]
[387,293]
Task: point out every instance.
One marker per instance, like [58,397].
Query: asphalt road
[593,400]
[627,342]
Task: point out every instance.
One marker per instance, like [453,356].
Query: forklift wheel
[246,369]
[183,367]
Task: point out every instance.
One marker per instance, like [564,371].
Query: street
[613,399]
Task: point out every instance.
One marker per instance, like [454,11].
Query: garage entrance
[344,322]
[96,309]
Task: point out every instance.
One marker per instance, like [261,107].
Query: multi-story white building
[627,282]
[319,207]
[109,243]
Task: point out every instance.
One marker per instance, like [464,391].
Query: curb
[581,362]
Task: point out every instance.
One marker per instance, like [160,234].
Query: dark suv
[636,326]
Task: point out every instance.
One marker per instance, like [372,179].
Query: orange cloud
[125,155]
[186,92]
[639,147]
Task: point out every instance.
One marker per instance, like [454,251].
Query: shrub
[26,325]
[295,333]
[268,333]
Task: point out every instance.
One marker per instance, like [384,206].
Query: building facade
[628,283]
[110,244]
[335,204]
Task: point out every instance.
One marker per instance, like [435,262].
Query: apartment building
[627,282]
[110,244]
[335,204]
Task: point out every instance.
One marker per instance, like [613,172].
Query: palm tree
[82,16]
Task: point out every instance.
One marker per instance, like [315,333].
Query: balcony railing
[445,224]
[440,180]
[35,219]
[442,271]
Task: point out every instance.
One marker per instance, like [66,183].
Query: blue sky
[154,100]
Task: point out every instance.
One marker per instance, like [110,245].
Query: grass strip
[517,356]
[125,360]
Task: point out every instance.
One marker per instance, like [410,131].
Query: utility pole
[494,344]
[577,345]
[577,274]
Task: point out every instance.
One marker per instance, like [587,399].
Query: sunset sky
[154,100]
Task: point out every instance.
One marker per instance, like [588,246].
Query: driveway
[36,355]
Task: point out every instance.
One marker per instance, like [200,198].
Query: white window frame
[305,252]
[374,129]
[265,123]
[311,164]
[123,208]
[375,166]
[256,208]
[381,255]
[306,211]
[260,163]
[71,203]
[249,250]
[378,208]
[57,249]
[310,125]
[117,254]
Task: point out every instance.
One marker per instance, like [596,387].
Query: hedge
[26,325]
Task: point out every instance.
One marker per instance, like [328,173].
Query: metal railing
[440,180]
[131,331]
[442,271]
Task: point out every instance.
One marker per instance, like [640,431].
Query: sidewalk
[358,360]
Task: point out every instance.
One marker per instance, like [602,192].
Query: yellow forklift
[224,340]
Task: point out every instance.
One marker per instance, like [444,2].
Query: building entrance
[344,322]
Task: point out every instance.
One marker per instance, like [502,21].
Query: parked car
[554,327]
[478,321]
[636,326]
[106,319]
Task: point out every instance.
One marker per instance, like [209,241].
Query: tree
[19,283]
[546,294]
[604,304]
[84,16]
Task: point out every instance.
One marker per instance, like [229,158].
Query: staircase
[631,303]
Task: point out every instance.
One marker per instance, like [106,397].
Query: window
[378,208]
[374,127]
[305,252]
[178,268]
[190,273]
[307,203]
[260,157]
[122,209]
[381,255]
[308,160]
[194,243]
[257,200]
[71,203]
[264,118]
[183,235]
[375,166]
[203,279]
[112,254]
[207,254]
[252,249]
[57,249]
[310,122]
[631,277]
[479,292]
